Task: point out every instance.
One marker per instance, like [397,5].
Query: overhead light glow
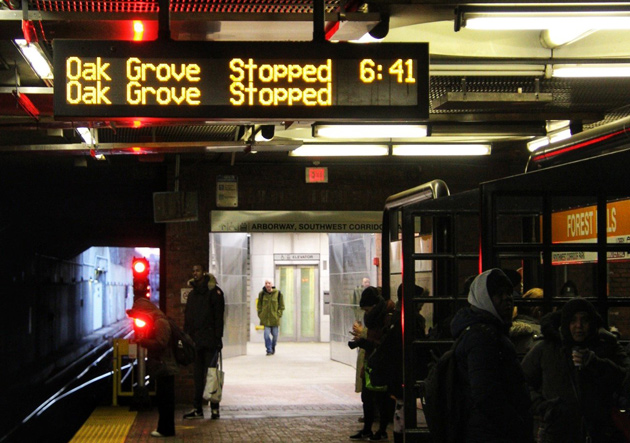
[592,70]
[557,130]
[138,30]
[86,135]
[441,149]
[326,150]
[490,69]
[556,36]
[545,19]
[36,58]
[369,131]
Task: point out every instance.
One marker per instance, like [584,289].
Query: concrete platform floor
[296,395]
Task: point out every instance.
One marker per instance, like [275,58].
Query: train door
[300,289]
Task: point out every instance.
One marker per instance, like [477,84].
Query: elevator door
[300,290]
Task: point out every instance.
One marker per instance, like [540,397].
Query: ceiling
[465,105]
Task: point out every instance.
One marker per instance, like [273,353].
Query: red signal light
[140,267]
[139,323]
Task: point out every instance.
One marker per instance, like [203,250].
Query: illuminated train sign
[240,80]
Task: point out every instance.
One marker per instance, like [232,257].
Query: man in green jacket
[270,306]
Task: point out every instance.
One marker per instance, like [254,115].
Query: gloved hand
[219,344]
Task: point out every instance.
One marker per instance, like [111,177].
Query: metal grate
[183,133]
[134,6]
[188,6]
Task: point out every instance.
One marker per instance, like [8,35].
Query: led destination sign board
[240,80]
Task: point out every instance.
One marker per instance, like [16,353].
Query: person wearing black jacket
[377,318]
[203,321]
[574,374]
[494,388]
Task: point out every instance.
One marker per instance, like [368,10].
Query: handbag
[213,390]
[368,382]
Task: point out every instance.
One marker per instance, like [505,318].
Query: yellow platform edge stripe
[107,424]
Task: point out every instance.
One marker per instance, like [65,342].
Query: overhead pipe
[602,139]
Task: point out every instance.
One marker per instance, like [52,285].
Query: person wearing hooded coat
[494,388]
[161,362]
[573,394]
[203,321]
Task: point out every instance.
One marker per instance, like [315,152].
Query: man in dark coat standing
[203,321]
[496,395]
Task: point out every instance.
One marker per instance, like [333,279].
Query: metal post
[319,12]
[141,400]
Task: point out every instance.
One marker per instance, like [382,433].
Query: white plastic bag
[213,390]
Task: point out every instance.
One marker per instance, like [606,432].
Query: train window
[467,225]
[518,219]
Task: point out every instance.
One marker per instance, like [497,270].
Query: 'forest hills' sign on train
[580,226]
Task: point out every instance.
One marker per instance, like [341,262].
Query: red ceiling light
[28,29]
[138,31]
[26,104]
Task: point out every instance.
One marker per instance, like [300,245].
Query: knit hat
[369,297]
[570,309]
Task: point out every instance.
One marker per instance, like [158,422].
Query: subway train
[541,225]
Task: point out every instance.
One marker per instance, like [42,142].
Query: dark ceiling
[463,106]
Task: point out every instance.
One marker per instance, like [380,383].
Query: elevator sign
[240,80]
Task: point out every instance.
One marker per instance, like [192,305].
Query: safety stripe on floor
[106,425]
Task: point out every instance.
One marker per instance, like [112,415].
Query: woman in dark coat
[573,375]
[494,388]
[377,318]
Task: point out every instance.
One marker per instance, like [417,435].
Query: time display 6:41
[402,70]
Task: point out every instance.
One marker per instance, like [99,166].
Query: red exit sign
[316,175]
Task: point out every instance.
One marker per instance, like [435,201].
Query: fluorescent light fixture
[86,135]
[340,150]
[537,143]
[592,70]
[545,18]
[441,149]
[557,130]
[556,37]
[370,131]
[35,57]
[367,38]
[496,69]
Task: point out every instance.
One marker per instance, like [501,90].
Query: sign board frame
[85,69]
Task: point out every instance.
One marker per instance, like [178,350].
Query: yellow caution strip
[106,425]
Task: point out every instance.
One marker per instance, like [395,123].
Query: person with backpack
[203,321]
[494,395]
[270,306]
[161,361]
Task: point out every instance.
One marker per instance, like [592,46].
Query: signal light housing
[140,268]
